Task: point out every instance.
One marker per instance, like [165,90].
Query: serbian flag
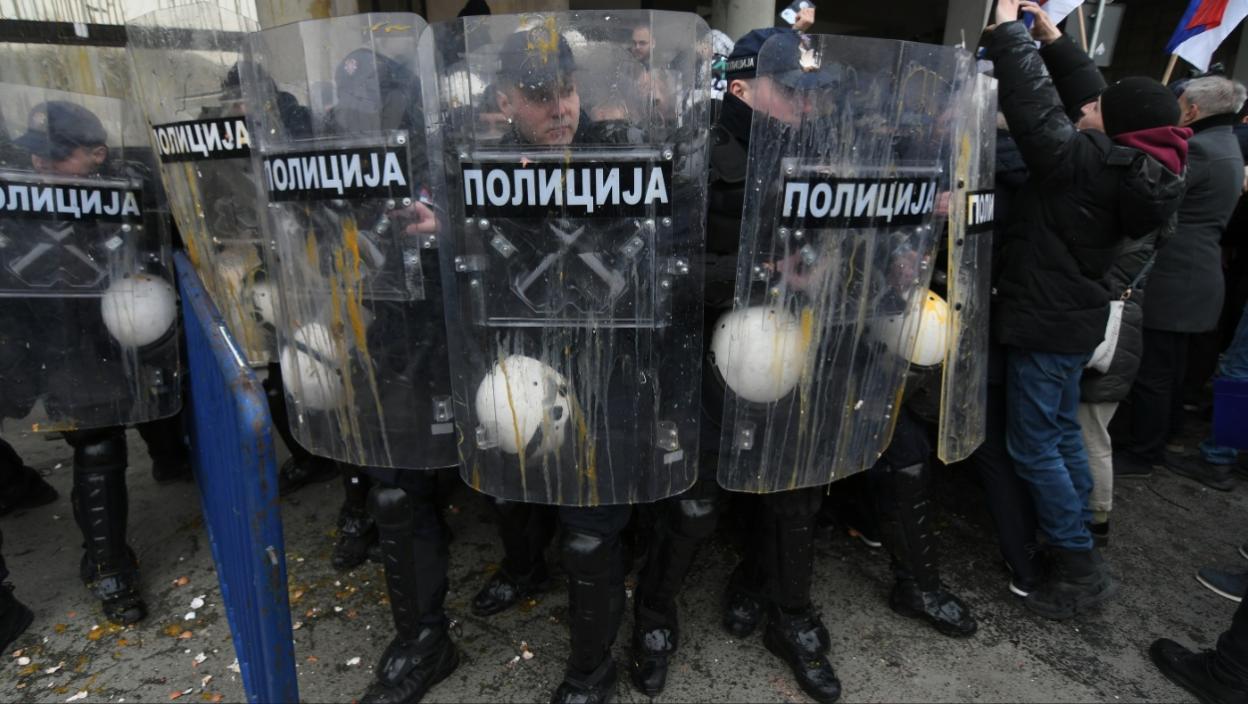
[1058,9]
[1203,27]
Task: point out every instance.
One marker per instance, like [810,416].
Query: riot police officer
[365,309]
[773,579]
[67,140]
[576,308]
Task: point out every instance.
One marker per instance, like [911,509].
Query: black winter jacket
[1085,195]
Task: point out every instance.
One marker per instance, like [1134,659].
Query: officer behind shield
[67,139]
[402,506]
[543,107]
[774,576]
[302,468]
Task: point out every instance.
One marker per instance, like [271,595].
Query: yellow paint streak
[515,422]
[545,46]
[309,246]
[352,279]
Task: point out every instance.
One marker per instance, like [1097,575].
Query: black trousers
[1156,399]
[779,552]
[1009,499]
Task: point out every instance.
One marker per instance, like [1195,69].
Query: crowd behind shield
[624,281]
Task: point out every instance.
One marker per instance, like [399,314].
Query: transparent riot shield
[88,310]
[839,232]
[186,71]
[335,112]
[576,174]
[964,386]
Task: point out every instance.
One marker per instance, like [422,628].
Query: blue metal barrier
[236,469]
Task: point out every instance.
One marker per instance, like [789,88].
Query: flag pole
[1096,28]
[1083,29]
[1174,59]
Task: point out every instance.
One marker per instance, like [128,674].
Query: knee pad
[99,451]
[695,518]
[586,553]
[389,505]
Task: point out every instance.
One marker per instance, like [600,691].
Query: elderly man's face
[1189,112]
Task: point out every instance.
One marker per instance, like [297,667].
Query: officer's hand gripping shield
[335,114]
[186,70]
[847,149]
[576,169]
[88,311]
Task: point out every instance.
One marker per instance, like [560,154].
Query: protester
[1186,286]
[1089,191]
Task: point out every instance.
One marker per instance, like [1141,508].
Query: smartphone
[789,14]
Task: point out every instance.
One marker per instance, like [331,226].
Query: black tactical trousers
[779,551]
[592,557]
[900,490]
[414,545]
[680,525]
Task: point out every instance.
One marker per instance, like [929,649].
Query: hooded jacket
[1085,196]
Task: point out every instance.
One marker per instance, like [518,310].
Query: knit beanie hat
[1138,103]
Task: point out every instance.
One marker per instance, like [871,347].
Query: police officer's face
[82,161]
[548,115]
[771,98]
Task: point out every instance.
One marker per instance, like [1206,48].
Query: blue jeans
[1233,365]
[1045,441]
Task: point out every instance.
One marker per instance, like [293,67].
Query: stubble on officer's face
[548,115]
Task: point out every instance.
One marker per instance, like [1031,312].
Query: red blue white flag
[1204,26]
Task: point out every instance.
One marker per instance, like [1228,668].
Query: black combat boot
[1203,674]
[656,635]
[906,523]
[801,641]
[525,530]
[357,532]
[109,567]
[504,590]
[415,557]
[1078,581]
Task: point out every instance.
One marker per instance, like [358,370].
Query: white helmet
[925,336]
[519,397]
[309,368]
[139,309]
[760,352]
